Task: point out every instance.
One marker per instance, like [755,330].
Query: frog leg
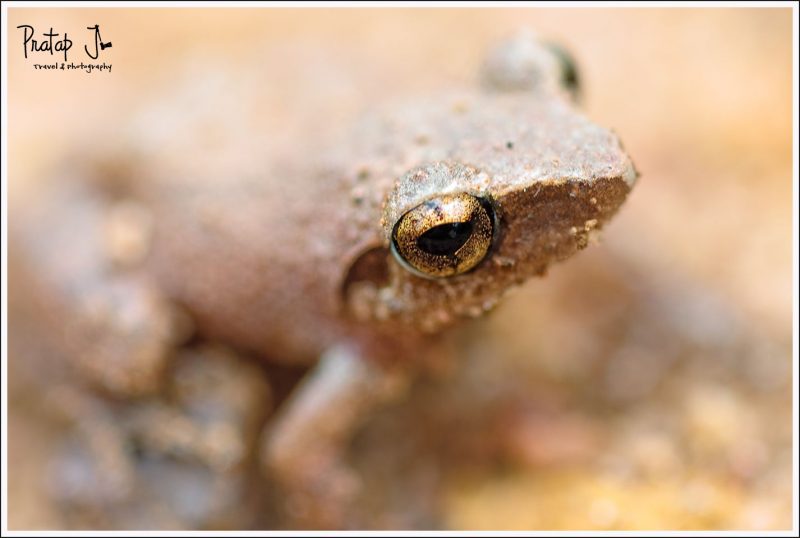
[303,446]
[81,252]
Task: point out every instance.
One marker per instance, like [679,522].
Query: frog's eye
[445,236]
[569,71]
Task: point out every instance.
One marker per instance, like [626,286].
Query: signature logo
[53,43]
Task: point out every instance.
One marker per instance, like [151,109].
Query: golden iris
[444,236]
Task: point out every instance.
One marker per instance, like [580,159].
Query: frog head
[517,180]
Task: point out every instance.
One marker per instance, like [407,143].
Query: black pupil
[446,239]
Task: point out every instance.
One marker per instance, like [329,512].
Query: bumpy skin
[260,251]
[191,225]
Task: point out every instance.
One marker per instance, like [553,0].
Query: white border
[4,329]
[393,4]
[795,270]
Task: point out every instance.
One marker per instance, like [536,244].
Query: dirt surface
[644,384]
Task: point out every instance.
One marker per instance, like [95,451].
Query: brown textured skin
[287,255]
[261,257]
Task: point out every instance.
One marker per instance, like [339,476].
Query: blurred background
[644,384]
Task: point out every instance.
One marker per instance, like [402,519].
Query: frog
[351,258]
